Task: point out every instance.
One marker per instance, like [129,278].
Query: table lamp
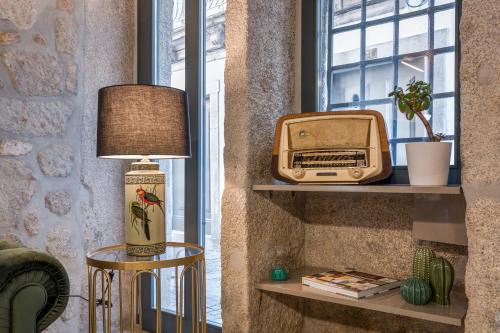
[143,122]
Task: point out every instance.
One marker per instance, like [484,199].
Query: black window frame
[311,59]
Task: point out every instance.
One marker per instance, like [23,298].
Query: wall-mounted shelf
[388,302]
[402,189]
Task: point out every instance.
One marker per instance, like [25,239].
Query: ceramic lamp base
[145,209]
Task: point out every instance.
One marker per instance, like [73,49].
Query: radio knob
[356,173]
[298,173]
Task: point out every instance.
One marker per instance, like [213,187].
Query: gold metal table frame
[189,257]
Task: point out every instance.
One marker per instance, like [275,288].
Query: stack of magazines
[350,283]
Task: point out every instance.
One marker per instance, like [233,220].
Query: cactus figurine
[422,263]
[442,275]
[416,291]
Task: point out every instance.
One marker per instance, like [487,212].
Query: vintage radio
[331,147]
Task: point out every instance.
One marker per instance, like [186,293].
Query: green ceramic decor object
[279,274]
[422,263]
[416,291]
[442,276]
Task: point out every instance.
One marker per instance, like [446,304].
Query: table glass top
[119,254]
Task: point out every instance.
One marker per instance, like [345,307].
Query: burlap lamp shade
[142,120]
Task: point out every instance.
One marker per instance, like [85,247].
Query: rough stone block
[72,78]
[56,160]
[37,118]
[40,39]
[479,80]
[58,202]
[59,243]
[22,13]
[33,73]
[14,147]
[17,186]
[66,5]
[31,224]
[11,238]
[66,34]
[483,267]
[9,37]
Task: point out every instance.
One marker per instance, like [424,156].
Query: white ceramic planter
[428,163]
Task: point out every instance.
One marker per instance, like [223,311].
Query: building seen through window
[172,72]
[370,46]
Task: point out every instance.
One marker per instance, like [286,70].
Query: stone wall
[57,196]
[480,154]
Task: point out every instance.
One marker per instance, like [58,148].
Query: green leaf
[410,115]
[426,103]
[402,106]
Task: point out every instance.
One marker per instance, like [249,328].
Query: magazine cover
[353,282]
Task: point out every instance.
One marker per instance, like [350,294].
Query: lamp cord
[99,301]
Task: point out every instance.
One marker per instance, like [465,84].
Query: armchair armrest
[21,268]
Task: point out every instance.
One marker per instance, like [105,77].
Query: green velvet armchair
[34,289]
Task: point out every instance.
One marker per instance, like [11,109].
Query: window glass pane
[442,2]
[345,86]
[346,12]
[443,116]
[444,28]
[409,68]
[346,46]
[413,34]
[171,73]
[411,128]
[379,41]
[444,73]
[407,6]
[386,111]
[400,154]
[379,80]
[215,57]
[378,9]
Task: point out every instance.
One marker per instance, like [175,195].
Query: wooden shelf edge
[388,302]
[403,189]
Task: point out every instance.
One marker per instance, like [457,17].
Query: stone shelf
[403,189]
[388,302]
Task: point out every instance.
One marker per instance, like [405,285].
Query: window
[366,47]
[181,44]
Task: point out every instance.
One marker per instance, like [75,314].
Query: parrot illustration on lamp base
[145,211]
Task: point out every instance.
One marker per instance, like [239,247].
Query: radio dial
[356,173]
[298,173]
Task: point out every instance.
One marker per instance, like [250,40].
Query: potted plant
[428,162]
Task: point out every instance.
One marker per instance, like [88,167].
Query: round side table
[185,258]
